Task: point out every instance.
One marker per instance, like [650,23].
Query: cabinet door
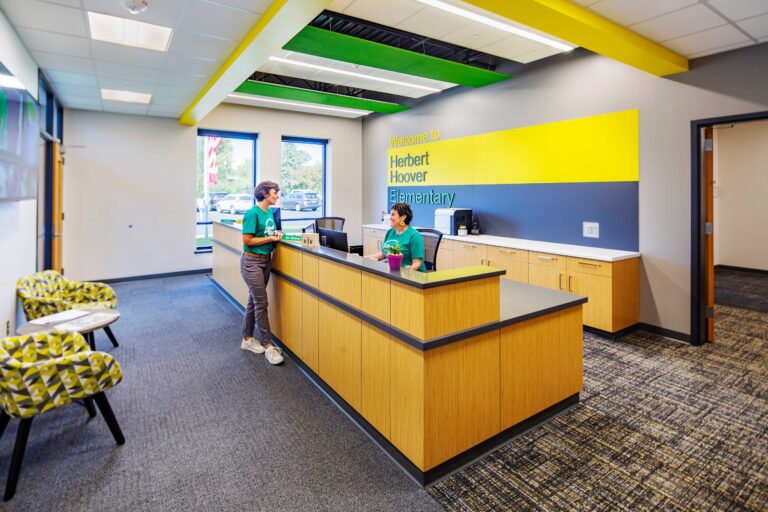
[546,277]
[372,241]
[444,258]
[516,270]
[468,254]
[598,311]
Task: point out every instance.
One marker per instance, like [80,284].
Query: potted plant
[394,256]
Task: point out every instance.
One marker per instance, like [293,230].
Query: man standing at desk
[259,236]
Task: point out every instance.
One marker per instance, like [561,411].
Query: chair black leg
[4,419]
[18,457]
[88,403]
[109,417]
[111,336]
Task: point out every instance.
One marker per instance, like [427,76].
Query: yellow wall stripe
[577,25]
[603,148]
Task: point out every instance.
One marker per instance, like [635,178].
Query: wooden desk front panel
[375,298]
[541,364]
[376,366]
[407,401]
[289,301]
[288,260]
[340,282]
[310,269]
[310,330]
[339,346]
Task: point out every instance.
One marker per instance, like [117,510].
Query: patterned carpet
[741,289]
[661,426]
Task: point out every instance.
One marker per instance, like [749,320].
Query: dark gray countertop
[405,276]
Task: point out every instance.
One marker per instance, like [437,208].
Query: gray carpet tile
[661,426]
[740,289]
[208,426]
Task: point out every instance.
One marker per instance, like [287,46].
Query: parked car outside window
[299,200]
[235,203]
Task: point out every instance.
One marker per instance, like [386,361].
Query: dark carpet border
[742,269]
[155,276]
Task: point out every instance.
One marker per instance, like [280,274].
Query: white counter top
[576,251]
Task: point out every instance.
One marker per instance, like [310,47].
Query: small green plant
[393,249]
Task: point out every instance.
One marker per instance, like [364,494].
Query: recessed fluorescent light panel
[125,96]
[112,29]
[10,82]
[292,62]
[497,24]
[260,99]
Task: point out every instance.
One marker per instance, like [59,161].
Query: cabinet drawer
[596,267]
[502,253]
[545,259]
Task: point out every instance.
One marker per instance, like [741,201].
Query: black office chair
[334,223]
[432,239]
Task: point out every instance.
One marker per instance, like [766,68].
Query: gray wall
[583,84]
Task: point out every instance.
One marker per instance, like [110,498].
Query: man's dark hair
[404,209]
[262,189]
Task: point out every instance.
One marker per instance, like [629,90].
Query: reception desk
[437,367]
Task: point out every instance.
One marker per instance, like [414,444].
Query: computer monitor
[278,221]
[333,239]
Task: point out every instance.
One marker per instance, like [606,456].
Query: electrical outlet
[591,229]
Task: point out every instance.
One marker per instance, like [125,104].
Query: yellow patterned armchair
[48,292]
[42,371]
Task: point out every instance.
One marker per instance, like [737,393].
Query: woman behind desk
[411,242]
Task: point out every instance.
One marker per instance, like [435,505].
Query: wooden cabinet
[547,270]
[468,254]
[372,240]
[597,289]
[514,261]
[444,255]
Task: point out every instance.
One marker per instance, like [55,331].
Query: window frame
[227,134]
[319,142]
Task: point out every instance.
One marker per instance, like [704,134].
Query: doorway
[702,222]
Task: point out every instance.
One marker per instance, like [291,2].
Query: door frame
[698,212]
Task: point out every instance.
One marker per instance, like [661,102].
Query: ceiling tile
[181,80]
[77,90]
[68,3]
[720,49]
[160,111]
[706,40]
[64,77]
[541,53]
[430,22]
[393,13]
[171,101]
[190,65]
[756,27]
[339,5]
[199,45]
[58,43]
[120,54]
[216,20]
[475,35]
[180,92]
[80,102]
[124,108]
[63,62]
[258,6]
[162,12]
[628,12]
[45,16]
[679,23]
[511,47]
[126,84]
[112,69]
[740,9]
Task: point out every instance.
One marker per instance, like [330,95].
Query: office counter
[437,367]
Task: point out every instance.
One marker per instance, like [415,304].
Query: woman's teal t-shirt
[411,246]
[259,223]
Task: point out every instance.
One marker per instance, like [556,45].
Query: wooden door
[598,311]
[467,254]
[56,208]
[709,237]
[546,277]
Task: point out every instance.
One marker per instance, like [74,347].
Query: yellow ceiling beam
[281,21]
[579,26]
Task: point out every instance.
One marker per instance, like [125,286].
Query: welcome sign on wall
[537,182]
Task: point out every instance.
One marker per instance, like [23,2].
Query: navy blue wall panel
[546,212]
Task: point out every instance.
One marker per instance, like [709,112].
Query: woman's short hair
[262,189]
[404,209]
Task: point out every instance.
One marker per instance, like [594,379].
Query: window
[226,176]
[302,181]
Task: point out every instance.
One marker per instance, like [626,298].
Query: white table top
[95,319]
[576,251]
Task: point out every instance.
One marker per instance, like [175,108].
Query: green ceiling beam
[331,45]
[324,98]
